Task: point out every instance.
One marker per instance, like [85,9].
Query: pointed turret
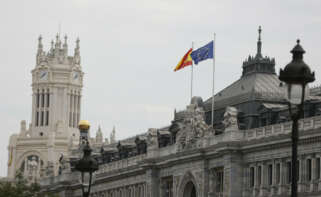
[113,136]
[99,136]
[57,46]
[40,46]
[259,45]
[52,47]
[77,53]
[65,46]
[40,50]
[258,63]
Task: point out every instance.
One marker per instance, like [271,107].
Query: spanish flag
[185,61]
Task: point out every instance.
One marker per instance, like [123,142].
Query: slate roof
[257,86]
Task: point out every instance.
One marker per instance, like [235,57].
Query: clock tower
[57,82]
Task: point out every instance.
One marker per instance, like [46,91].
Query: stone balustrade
[282,128]
[123,163]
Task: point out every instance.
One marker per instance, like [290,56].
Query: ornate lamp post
[86,165]
[296,75]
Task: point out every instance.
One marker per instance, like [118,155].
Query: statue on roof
[230,119]
[152,139]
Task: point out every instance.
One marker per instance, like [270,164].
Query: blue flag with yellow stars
[203,53]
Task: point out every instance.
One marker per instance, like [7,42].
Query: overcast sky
[129,49]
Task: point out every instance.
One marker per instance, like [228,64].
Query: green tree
[20,188]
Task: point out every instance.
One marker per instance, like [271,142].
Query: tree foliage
[21,188]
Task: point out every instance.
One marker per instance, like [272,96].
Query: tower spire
[77,53]
[40,46]
[65,46]
[259,45]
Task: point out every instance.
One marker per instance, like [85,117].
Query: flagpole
[214,57]
[192,75]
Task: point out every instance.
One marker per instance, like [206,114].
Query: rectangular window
[167,189]
[74,120]
[37,99]
[309,169]
[259,175]
[48,99]
[318,168]
[47,118]
[297,170]
[70,119]
[252,175]
[42,99]
[278,173]
[77,119]
[270,173]
[219,176]
[37,119]
[78,103]
[75,102]
[41,118]
[289,172]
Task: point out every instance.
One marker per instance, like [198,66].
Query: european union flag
[203,53]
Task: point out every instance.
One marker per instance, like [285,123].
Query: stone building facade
[246,153]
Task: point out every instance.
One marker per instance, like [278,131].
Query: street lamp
[86,165]
[296,75]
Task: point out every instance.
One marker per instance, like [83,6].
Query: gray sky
[129,49]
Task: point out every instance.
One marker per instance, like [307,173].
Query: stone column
[71,109]
[319,177]
[256,185]
[264,180]
[34,108]
[75,110]
[283,177]
[314,185]
[302,175]
[274,184]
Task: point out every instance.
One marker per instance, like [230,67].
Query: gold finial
[83,125]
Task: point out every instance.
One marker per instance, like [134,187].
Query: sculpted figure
[152,139]
[230,118]
[63,164]
[32,168]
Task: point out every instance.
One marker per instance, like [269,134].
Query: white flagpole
[192,75]
[214,49]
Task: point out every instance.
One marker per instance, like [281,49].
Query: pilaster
[152,182]
[233,174]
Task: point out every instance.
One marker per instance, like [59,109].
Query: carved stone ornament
[230,119]
[192,128]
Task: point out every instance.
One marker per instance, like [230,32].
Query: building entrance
[190,190]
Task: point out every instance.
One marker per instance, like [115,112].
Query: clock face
[43,75]
[75,76]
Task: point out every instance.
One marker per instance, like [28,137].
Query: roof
[257,86]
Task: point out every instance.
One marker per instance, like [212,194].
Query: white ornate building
[56,99]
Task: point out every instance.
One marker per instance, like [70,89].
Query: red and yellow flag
[185,61]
